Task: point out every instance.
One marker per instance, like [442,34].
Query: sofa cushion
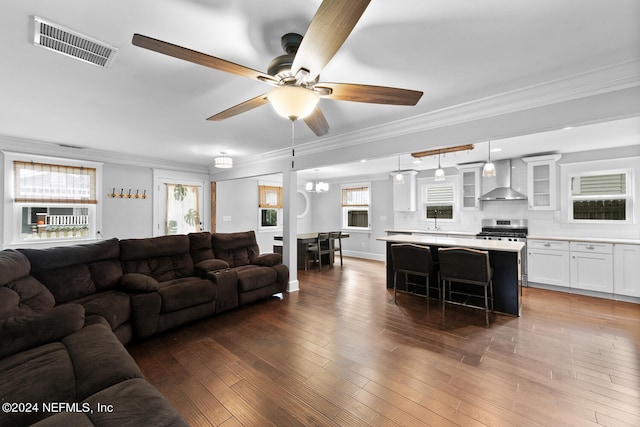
[114,306]
[106,274]
[42,374]
[24,296]
[163,258]
[64,256]
[268,260]
[72,272]
[139,282]
[200,246]
[13,265]
[20,333]
[254,277]
[186,292]
[68,283]
[212,265]
[237,249]
[99,360]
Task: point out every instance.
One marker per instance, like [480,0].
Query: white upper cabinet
[542,182]
[404,192]
[470,186]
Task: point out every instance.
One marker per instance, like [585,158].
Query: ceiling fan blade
[368,93]
[317,122]
[330,27]
[240,108]
[199,58]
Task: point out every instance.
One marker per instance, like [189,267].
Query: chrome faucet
[436,226]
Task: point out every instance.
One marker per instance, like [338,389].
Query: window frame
[265,205]
[452,182]
[629,196]
[13,210]
[364,208]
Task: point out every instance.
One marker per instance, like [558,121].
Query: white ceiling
[153,106]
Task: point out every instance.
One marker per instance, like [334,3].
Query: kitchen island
[505,257]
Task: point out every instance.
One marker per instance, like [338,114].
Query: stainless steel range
[512,230]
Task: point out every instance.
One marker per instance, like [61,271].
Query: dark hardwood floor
[340,352]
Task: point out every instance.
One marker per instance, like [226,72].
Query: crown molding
[620,76]
[30,146]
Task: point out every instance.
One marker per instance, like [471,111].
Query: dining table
[304,239]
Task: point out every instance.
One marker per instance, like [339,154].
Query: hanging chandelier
[317,186]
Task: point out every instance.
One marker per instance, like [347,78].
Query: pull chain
[293,150]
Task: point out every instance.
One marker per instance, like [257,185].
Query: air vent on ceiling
[67,42]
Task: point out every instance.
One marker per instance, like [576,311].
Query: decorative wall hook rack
[127,195]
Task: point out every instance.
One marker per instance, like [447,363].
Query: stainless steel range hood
[503,179]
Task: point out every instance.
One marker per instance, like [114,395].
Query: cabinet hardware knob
[590,247]
[547,244]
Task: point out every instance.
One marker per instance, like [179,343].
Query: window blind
[355,196]
[51,183]
[599,185]
[439,194]
[269,197]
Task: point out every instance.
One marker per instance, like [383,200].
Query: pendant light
[318,186]
[439,175]
[398,178]
[489,168]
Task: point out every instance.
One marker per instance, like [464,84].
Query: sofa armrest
[24,332]
[267,260]
[212,265]
[139,282]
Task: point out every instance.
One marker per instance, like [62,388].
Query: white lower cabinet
[626,270]
[592,266]
[548,262]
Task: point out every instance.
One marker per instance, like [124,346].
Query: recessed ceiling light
[567,128]
[363,161]
[496,150]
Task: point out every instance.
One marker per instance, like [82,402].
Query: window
[355,207]
[269,207]
[438,201]
[183,209]
[601,197]
[52,198]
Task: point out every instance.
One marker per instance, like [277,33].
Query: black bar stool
[414,260]
[470,266]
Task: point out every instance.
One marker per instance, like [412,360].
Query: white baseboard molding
[605,295]
[294,286]
[365,255]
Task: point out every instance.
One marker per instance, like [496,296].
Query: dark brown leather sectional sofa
[67,312]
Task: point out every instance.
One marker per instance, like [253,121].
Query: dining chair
[467,266]
[413,260]
[322,246]
[335,238]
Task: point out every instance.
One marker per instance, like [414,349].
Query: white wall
[327,216]
[127,218]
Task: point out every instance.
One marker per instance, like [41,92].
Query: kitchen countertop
[586,239]
[486,245]
[456,233]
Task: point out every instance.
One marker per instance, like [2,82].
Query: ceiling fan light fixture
[223,162]
[293,102]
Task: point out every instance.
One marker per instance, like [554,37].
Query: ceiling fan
[295,75]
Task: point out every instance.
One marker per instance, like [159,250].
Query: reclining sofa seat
[46,355]
[87,274]
[237,255]
[160,278]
